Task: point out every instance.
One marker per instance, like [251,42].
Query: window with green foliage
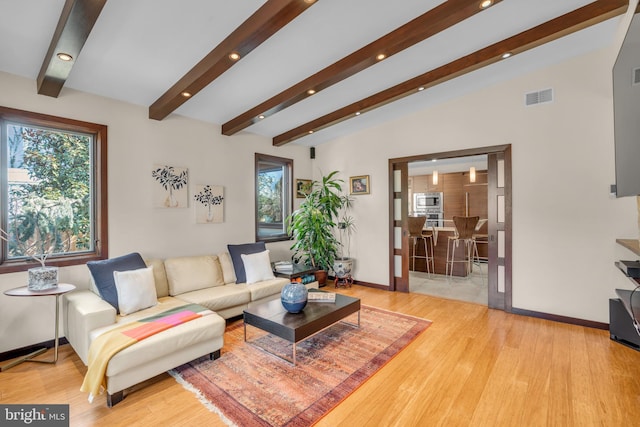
[53,177]
[273,197]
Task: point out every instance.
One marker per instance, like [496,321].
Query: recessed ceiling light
[310,132]
[261,116]
[358,113]
[311,91]
[234,56]
[485,4]
[381,56]
[506,55]
[64,57]
[186,94]
[433,160]
[421,88]
[309,1]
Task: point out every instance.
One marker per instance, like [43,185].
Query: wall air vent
[636,76]
[540,97]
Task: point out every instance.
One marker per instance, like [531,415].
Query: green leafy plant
[312,225]
[269,197]
[50,211]
[346,227]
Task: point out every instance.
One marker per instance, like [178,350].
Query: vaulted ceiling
[306,71]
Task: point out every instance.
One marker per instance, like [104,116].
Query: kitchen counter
[441,237]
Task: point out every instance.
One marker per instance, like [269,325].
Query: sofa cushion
[136,290]
[159,276]
[265,288]
[186,274]
[220,297]
[257,267]
[236,251]
[102,274]
[166,343]
[228,272]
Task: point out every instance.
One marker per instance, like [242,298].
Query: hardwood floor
[473,366]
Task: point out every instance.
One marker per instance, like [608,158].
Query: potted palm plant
[312,225]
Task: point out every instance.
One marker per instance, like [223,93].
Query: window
[273,197]
[53,190]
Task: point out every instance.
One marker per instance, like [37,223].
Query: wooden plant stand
[344,282]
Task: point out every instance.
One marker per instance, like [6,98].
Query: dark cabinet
[460,196]
[621,325]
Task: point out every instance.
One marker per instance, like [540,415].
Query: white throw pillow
[136,290]
[257,266]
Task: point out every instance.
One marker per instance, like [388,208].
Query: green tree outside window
[49,192]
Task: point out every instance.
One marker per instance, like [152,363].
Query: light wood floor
[473,366]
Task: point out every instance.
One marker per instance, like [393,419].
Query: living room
[565,222]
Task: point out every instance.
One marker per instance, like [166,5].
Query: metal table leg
[28,357]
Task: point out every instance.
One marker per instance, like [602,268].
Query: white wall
[135,144]
[564,221]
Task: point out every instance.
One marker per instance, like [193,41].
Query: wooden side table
[299,270]
[24,291]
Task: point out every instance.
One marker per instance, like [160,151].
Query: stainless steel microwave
[427,200]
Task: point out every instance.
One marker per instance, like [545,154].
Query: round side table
[24,291]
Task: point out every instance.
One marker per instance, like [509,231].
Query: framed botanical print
[170,186]
[210,204]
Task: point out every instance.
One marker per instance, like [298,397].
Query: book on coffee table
[321,297]
[283,266]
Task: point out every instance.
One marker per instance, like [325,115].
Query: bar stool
[465,229]
[416,231]
[481,238]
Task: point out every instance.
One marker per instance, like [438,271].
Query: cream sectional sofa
[209,281]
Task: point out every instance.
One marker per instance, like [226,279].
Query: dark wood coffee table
[272,317]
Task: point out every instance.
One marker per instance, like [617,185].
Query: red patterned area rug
[247,386]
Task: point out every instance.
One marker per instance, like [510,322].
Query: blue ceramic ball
[294,297]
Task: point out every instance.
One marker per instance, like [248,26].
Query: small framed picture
[303,187]
[359,184]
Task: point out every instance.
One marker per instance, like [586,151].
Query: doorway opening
[439,190]
[496,230]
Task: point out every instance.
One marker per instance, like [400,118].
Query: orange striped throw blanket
[107,345]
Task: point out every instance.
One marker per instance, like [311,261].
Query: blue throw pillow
[102,272]
[236,251]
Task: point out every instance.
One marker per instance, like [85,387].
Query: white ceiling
[138,49]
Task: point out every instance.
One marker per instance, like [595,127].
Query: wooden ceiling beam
[76,22]
[430,23]
[581,18]
[264,23]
